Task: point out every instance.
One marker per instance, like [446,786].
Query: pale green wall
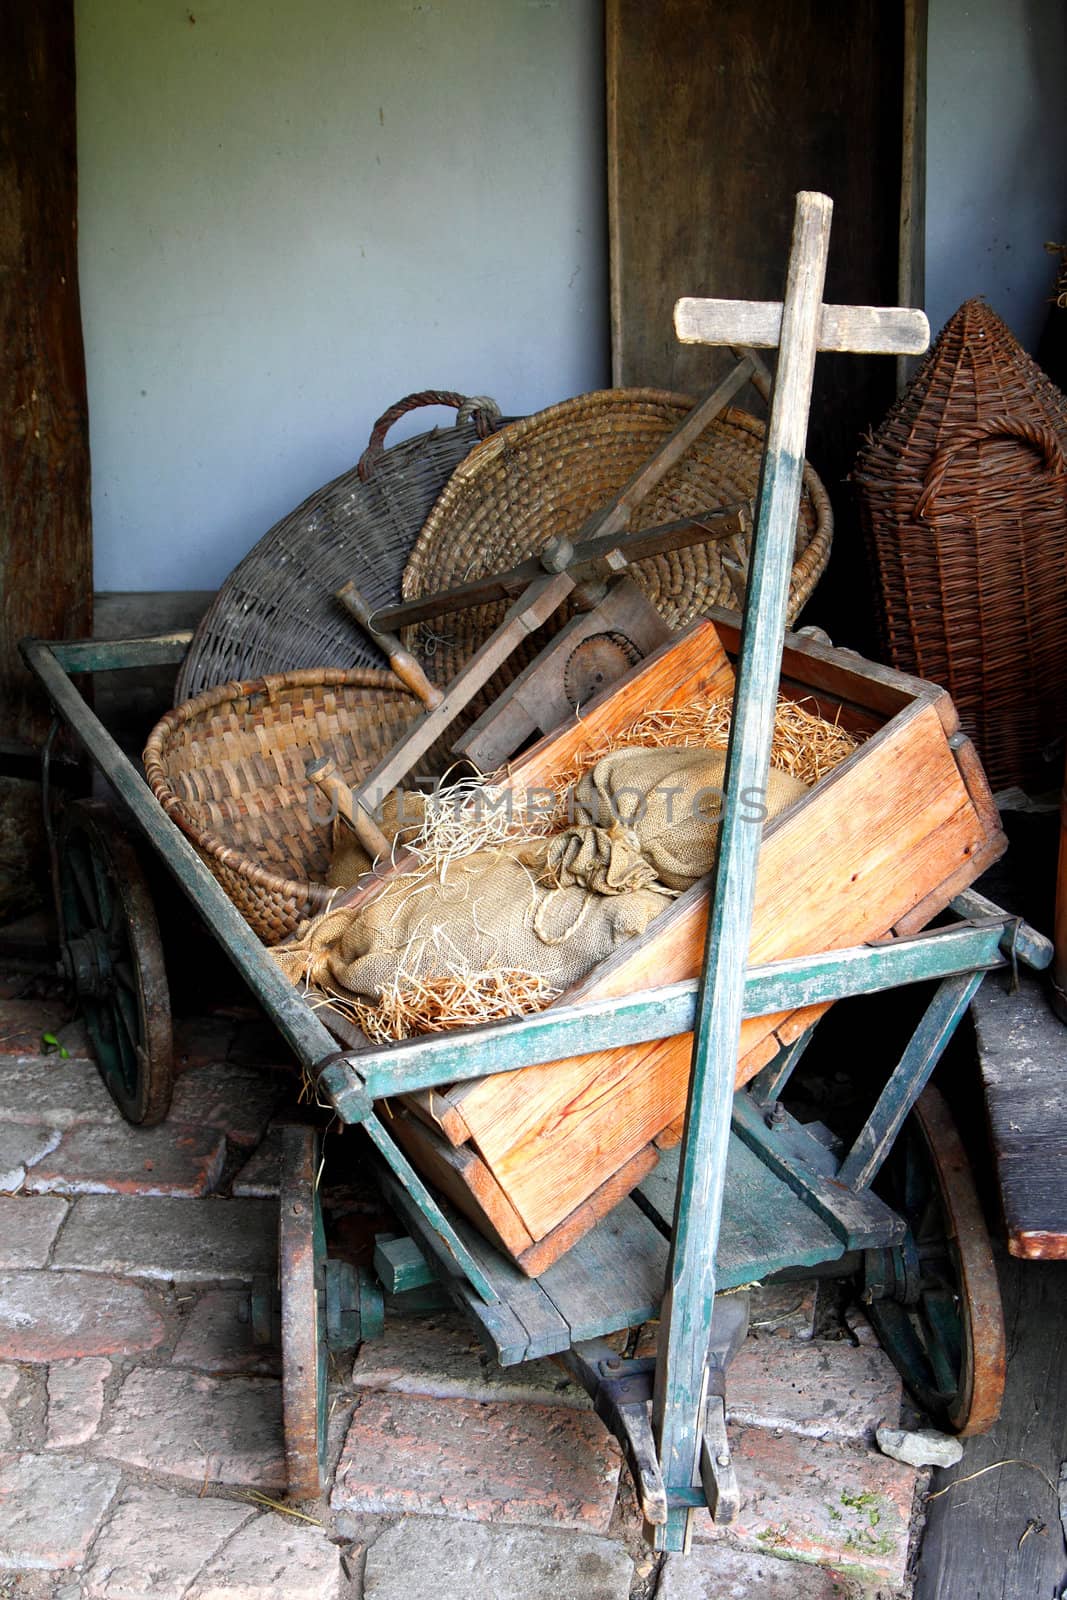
[292,212]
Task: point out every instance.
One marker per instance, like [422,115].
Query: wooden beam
[860,330]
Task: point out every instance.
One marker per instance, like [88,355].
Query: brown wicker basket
[276,611]
[229,768]
[544,475]
[964,505]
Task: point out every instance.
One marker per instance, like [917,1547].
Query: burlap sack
[646,823]
[642,815]
[491,911]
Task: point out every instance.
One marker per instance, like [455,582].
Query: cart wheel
[302,1275]
[934,1299]
[113,959]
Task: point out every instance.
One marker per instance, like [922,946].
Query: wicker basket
[229,768]
[547,473]
[964,505]
[276,610]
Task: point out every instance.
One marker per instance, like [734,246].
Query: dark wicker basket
[276,611]
[964,504]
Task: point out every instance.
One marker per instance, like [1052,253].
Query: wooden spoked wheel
[934,1299]
[112,957]
[301,1272]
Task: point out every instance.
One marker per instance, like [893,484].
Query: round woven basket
[276,611]
[229,768]
[546,474]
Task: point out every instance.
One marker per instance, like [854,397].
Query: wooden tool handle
[401,660]
[324,775]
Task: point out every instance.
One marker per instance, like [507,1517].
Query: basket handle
[1032,433]
[485,414]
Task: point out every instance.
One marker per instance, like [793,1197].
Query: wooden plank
[859,330]
[465,1180]
[541,1255]
[613,1278]
[764,1227]
[1022,1057]
[700,195]
[974,1540]
[503,1334]
[896,808]
[911,259]
[46,557]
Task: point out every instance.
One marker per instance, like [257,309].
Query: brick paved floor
[140,1425]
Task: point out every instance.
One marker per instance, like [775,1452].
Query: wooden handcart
[750,1191]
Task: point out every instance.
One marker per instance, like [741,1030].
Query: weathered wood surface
[46,570]
[999,1536]
[701,180]
[867,330]
[682,1359]
[1022,1056]
[882,830]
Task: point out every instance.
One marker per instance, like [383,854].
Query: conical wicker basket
[276,611]
[229,767]
[964,504]
[546,474]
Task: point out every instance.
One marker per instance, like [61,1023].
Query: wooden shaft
[862,330]
[324,775]
[681,1385]
[401,659]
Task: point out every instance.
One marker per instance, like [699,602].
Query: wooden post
[682,1365]
[45,547]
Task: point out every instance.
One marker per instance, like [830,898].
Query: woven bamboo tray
[276,611]
[963,493]
[229,768]
[545,475]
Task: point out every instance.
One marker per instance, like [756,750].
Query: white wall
[996,157]
[292,212]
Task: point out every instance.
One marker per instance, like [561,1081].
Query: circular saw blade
[597,662]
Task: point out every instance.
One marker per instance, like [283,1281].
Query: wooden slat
[889,824]
[764,1228]
[859,330]
[505,1336]
[613,1278]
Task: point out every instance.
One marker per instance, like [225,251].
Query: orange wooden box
[879,845]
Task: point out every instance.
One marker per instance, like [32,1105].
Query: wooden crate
[880,845]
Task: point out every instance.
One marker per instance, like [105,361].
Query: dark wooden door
[45,538]
[719,111]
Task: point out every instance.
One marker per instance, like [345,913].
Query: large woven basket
[276,611]
[229,767]
[544,475]
[964,504]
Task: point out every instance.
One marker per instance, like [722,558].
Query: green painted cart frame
[756,1191]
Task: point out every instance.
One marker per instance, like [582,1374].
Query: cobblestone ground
[141,1448]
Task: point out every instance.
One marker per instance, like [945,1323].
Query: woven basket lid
[545,475]
[976,371]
